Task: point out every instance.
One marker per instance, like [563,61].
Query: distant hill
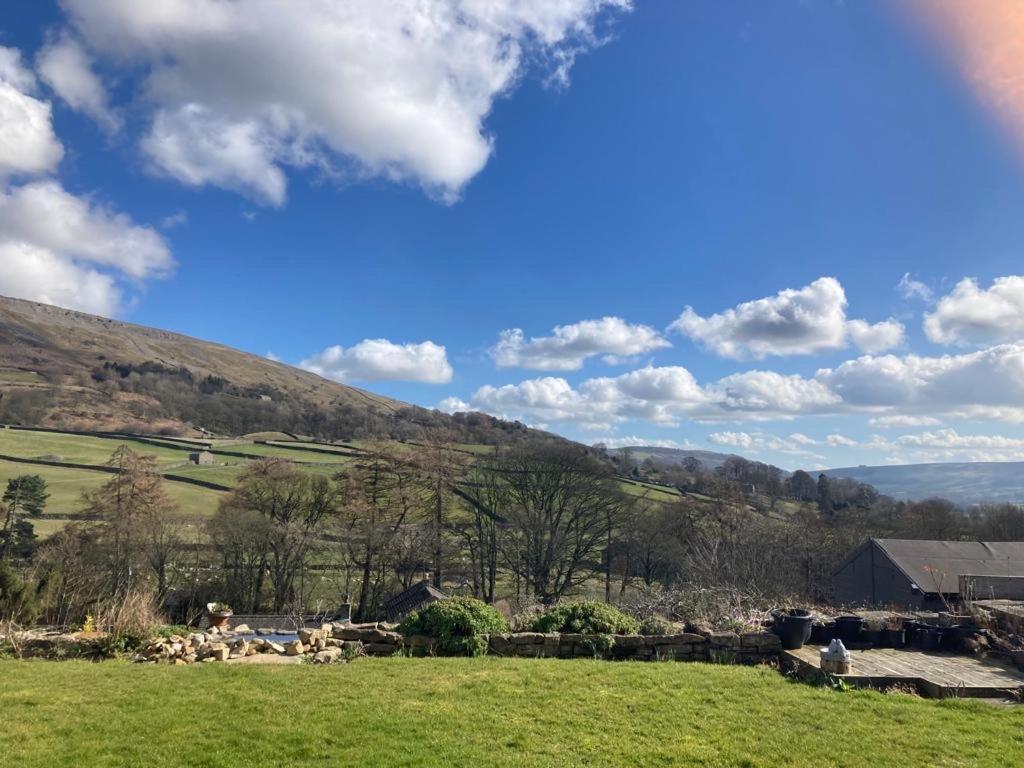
[710,459]
[69,370]
[963,482]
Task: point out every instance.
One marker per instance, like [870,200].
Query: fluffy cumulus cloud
[972,315]
[984,384]
[61,249]
[757,442]
[28,144]
[66,67]
[394,88]
[948,444]
[569,346]
[383,360]
[893,391]
[903,420]
[632,440]
[793,322]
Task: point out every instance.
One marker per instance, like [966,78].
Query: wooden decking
[936,675]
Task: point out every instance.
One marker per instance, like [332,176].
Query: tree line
[530,524]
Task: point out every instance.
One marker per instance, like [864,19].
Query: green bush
[657,625]
[459,624]
[587,618]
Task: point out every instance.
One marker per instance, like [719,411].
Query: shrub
[587,618]
[657,625]
[459,625]
[129,619]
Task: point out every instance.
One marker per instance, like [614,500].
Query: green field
[478,712]
[67,485]
[282,452]
[80,449]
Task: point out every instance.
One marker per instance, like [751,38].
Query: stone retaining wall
[335,643]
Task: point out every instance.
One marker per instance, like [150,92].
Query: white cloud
[732,439]
[173,220]
[382,360]
[894,391]
[61,249]
[28,144]
[454,405]
[948,444]
[932,386]
[37,274]
[836,440]
[569,346]
[770,395]
[877,337]
[756,442]
[44,214]
[793,322]
[198,147]
[67,69]
[903,420]
[395,88]
[972,315]
[611,443]
[801,439]
[911,288]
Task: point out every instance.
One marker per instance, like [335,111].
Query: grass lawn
[477,712]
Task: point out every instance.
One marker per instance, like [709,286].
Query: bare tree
[382,493]
[562,503]
[131,500]
[297,505]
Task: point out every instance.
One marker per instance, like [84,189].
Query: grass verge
[473,712]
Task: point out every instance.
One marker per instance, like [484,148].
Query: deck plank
[940,674]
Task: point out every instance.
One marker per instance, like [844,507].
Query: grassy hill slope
[58,354]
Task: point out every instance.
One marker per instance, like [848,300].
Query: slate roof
[953,559]
[412,598]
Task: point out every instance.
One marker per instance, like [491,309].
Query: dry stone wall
[336,643]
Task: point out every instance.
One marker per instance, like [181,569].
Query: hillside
[962,482]
[710,459]
[55,365]
[73,371]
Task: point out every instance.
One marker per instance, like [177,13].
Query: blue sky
[813,179]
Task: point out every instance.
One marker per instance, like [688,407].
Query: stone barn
[200,457]
[912,574]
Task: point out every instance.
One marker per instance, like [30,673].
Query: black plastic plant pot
[849,628]
[793,631]
[931,638]
[823,634]
[894,638]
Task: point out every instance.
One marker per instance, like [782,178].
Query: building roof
[413,597]
[936,566]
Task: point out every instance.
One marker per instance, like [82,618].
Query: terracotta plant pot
[218,619]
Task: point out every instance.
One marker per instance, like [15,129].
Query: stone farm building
[908,573]
[200,457]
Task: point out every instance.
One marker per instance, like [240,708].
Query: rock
[380,649]
[328,656]
[219,652]
[275,647]
[724,639]
[307,636]
[762,641]
[242,629]
[500,645]
[264,631]
[527,638]
[294,648]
